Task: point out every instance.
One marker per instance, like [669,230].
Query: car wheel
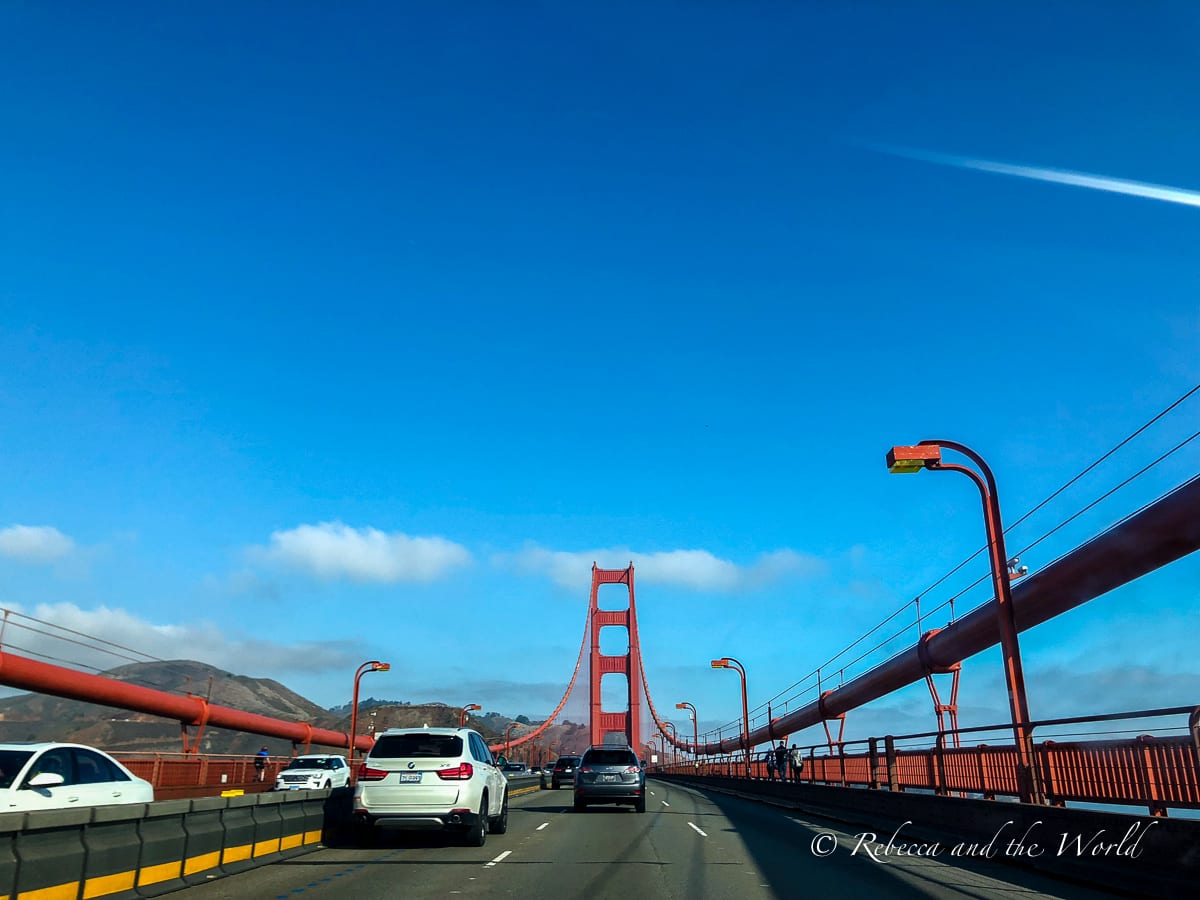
[477,836]
[580,805]
[640,805]
[499,825]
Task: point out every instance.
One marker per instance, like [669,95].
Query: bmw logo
[412,765]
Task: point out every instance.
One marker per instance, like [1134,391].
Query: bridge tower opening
[615,726]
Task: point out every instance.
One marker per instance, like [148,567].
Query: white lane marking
[499,858]
[652,794]
[540,827]
[697,830]
[664,802]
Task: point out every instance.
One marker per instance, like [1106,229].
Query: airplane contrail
[1057,176]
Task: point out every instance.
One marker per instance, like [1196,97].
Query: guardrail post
[1149,776]
[889,748]
[873,762]
[939,758]
[1050,762]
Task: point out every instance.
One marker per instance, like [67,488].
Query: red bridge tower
[628,664]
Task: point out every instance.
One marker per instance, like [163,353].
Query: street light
[728,662]
[674,736]
[372,666]
[462,716]
[928,455]
[695,733]
[507,732]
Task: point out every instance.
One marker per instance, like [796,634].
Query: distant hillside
[37,717]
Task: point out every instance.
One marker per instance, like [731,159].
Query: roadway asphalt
[688,844]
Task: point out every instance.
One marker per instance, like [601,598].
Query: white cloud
[34,543]
[332,550]
[201,641]
[695,569]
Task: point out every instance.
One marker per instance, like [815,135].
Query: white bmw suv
[432,778]
[313,772]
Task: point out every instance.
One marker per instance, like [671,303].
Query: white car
[313,773]
[432,779]
[62,776]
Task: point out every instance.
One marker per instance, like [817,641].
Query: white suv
[313,773]
[432,778]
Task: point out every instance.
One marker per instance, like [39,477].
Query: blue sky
[339,333]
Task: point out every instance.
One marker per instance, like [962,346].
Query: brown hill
[38,717]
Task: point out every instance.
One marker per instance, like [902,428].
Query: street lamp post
[674,737]
[928,455]
[695,732]
[507,733]
[728,662]
[462,716]
[372,666]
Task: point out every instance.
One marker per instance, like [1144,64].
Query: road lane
[688,844]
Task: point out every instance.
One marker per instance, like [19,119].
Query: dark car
[564,770]
[610,775]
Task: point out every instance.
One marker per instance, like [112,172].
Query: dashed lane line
[499,858]
[540,827]
[697,830]
[664,803]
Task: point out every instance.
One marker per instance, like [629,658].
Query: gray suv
[564,770]
[610,775]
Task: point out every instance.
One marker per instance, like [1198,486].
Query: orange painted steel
[1157,535]
[628,664]
[45,678]
[182,775]
[1157,772]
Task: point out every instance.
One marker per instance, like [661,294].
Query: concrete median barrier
[149,849]
[113,848]
[10,825]
[238,821]
[164,842]
[205,839]
[50,851]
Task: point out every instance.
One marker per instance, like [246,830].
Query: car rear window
[567,761]
[611,758]
[417,746]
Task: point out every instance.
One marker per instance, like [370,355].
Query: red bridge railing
[1159,772]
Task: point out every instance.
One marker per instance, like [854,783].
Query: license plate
[608,777]
[410,777]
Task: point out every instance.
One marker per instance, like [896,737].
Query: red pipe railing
[1158,772]
[1161,533]
[45,678]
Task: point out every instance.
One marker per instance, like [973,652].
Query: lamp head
[722,663]
[907,460]
[381,667]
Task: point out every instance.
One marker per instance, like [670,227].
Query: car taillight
[458,773]
[633,770]
[585,768]
[367,774]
